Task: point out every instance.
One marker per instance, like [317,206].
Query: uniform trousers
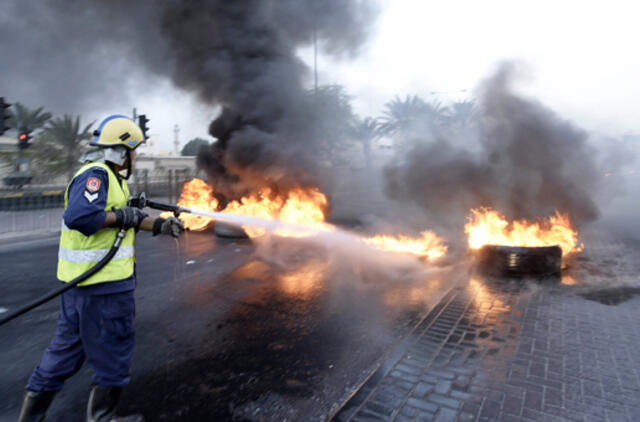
[96,327]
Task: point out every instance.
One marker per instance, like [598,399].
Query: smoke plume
[526,162]
[241,54]
[72,55]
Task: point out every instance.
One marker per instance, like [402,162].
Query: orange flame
[303,207]
[488,227]
[298,206]
[198,195]
[429,245]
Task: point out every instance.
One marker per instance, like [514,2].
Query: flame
[303,207]
[429,245]
[488,227]
[298,206]
[196,194]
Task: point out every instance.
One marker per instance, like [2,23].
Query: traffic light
[142,122]
[4,116]
[23,138]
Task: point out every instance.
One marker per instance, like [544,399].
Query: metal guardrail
[161,183]
[20,201]
[39,209]
[18,223]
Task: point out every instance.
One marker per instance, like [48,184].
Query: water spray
[326,234]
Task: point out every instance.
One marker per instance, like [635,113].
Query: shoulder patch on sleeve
[93,184]
[90,196]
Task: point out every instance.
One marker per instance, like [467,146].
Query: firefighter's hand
[129,217]
[171,226]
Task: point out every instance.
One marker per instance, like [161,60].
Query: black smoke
[73,55]
[241,55]
[524,161]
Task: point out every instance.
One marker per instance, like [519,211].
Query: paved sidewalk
[512,350]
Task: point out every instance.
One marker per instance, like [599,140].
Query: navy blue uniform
[96,321]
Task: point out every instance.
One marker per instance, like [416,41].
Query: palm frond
[30,118]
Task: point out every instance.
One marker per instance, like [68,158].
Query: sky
[577,57]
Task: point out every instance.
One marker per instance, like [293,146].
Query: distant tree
[60,145]
[33,119]
[366,131]
[399,115]
[333,117]
[434,114]
[22,116]
[463,113]
[193,146]
[411,117]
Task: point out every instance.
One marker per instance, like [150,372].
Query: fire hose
[56,292]
[139,202]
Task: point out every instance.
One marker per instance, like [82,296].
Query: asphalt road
[228,330]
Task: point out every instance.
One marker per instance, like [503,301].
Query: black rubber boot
[35,405]
[103,403]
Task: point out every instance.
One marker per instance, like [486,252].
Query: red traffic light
[24,136]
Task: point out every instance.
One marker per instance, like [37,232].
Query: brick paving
[512,350]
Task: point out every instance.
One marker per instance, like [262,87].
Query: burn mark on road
[272,344]
[614,296]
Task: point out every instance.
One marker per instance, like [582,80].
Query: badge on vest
[93,184]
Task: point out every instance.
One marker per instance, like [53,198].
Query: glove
[129,217]
[171,226]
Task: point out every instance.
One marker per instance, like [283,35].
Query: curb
[355,401]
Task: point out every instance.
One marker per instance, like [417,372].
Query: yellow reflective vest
[78,253]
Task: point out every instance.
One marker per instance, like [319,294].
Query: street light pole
[176,139]
[315,58]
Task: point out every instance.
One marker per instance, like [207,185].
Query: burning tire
[229,231]
[519,261]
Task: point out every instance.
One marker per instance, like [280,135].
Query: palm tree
[33,119]
[333,117]
[24,117]
[400,115]
[366,131]
[434,114]
[411,118]
[463,113]
[61,144]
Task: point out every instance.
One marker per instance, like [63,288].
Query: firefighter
[96,318]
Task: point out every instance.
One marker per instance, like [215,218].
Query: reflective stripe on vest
[79,253]
[94,255]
